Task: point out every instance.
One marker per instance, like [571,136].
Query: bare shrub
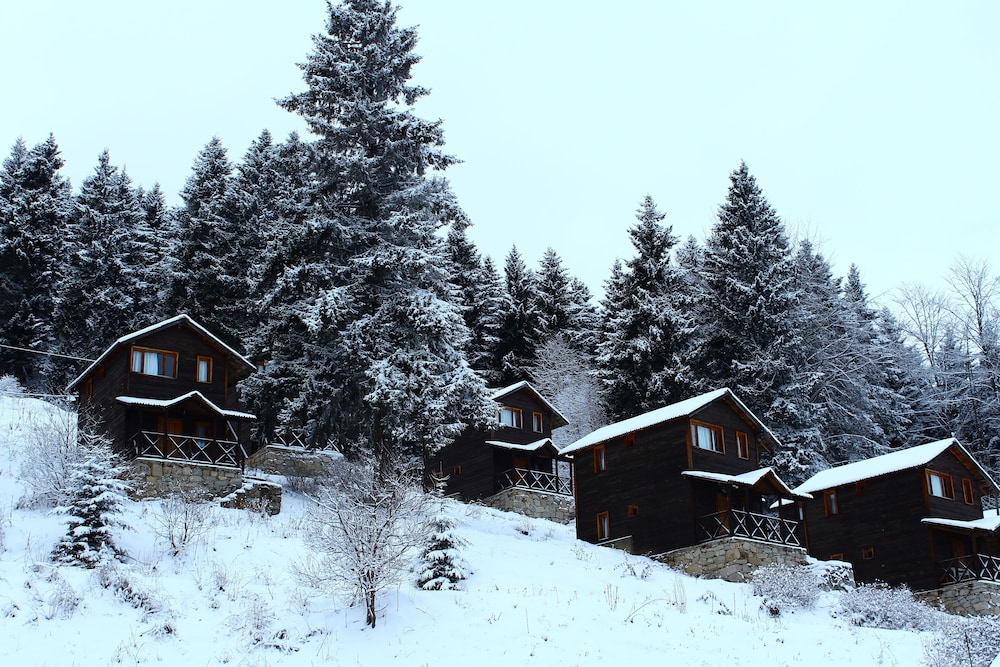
[785,586]
[184,517]
[366,524]
[49,448]
[10,387]
[880,606]
[963,642]
[111,576]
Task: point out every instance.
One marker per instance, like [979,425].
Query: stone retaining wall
[969,598]
[293,461]
[537,504]
[257,495]
[159,477]
[733,558]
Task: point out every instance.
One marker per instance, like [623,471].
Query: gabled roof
[662,415]
[156,327]
[886,464]
[191,395]
[558,418]
[545,443]
[755,479]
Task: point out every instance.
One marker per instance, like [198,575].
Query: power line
[50,354]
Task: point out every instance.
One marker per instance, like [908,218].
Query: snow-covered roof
[887,464]
[530,447]
[987,524]
[750,479]
[155,327]
[667,413]
[497,394]
[166,403]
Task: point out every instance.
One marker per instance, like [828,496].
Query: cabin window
[742,445]
[707,436]
[457,470]
[204,369]
[629,442]
[600,459]
[633,510]
[861,487]
[836,557]
[939,484]
[603,526]
[536,422]
[89,389]
[202,432]
[154,362]
[967,492]
[868,553]
[830,501]
[510,417]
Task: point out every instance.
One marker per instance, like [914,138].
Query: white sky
[870,126]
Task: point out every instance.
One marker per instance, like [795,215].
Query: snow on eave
[497,394]
[531,447]
[988,524]
[166,403]
[684,408]
[750,479]
[887,464]
[183,317]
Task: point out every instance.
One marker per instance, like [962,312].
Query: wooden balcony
[737,523]
[977,567]
[196,449]
[535,480]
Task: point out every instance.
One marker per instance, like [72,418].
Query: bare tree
[366,523]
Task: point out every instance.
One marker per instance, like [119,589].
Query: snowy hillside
[536,596]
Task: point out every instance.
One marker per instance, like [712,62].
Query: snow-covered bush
[881,606]
[46,453]
[441,566]
[184,517]
[963,642]
[10,387]
[96,495]
[785,586]
[112,576]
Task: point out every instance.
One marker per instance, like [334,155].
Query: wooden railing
[977,567]
[737,523]
[535,480]
[189,448]
[299,438]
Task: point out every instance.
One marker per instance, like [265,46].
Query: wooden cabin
[911,517]
[679,476]
[169,392]
[517,452]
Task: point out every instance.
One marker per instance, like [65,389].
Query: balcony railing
[535,480]
[978,567]
[737,523]
[192,448]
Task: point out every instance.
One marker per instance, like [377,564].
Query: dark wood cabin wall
[527,404]
[476,460]
[884,514]
[728,462]
[189,346]
[945,508]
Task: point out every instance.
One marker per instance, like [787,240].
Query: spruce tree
[481,294]
[521,331]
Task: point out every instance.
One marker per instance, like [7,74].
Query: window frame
[633,510]
[968,491]
[603,527]
[198,366]
[743,445]
[516,417]
[537,422]
[628,442]
[141,358]
[712,428]
[831,503]
[867,553]
[600,459]
[947,485]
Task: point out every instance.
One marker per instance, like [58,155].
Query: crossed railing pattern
[536,480]
[189,448]
[737,523]
[977,567]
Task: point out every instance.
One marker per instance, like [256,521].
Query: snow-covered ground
[536,596]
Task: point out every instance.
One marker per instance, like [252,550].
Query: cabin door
[958,549]
[169,426]
[521,461]
[722,508]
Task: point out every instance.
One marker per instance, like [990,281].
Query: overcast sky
[871,127]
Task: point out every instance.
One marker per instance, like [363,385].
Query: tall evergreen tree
[646,331]
[401,331]
[35,204]
[565,306]
[521,331]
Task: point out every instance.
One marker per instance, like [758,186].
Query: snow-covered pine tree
[441,566]
[521,330]
[209,265]
[565,304]
[646,330]
[35,204]
[401,331]
[97,491]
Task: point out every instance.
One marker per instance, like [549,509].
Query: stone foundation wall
[537,504]
[256,495]
[158,477]
[733,559]
[293,461]
[969,598]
